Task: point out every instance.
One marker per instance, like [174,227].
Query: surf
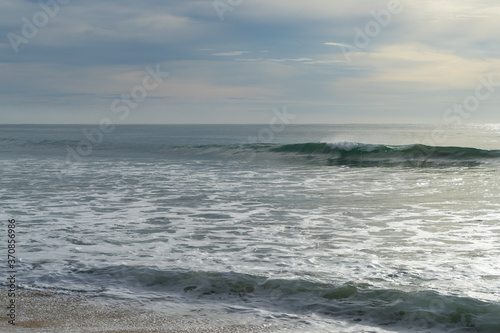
[363,154]
[352,301]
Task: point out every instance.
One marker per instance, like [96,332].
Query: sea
[308,228]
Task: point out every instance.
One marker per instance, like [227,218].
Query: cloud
[305,10]
[296,59]
[428,67]
[92,51]
[229,54]
[337,44]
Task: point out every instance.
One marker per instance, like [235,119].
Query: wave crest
[352,301]
[362,154]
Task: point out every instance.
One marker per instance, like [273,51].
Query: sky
[235,61]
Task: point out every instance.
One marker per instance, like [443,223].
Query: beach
[52,312]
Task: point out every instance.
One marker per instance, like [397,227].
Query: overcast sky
[234,61]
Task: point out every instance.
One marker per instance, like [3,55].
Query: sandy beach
[51,312]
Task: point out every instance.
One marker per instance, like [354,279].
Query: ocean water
[317,228]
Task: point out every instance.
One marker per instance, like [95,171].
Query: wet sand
[51,312]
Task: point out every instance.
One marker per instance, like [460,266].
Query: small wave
[350,301]
[351,154]
[347,149]
[26,143]
[361,154]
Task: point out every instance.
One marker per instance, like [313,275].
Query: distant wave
[340,153]
[16,142]
[350,149]
[361,154]
[351,301]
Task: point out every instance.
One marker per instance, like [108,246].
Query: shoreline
[42,311]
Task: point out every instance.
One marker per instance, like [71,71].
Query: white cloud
[229,54]
[337,44]
[292,53]
[92,22]
[293,59]
[316,9]
[424,67]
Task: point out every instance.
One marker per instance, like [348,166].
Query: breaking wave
[352,301]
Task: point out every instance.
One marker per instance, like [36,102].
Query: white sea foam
[411,230]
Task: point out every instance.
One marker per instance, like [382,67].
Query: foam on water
[328,244]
